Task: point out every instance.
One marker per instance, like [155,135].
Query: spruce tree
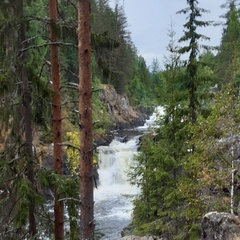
[158,165]
[192,207]
[27,120]
[18,160]
[163,162]
[193,37]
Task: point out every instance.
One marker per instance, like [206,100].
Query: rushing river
[114,196]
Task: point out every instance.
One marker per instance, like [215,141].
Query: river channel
[114,195]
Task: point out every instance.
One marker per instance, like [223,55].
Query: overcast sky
[150,20]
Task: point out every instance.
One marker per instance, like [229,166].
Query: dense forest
[190,166]
[186,168]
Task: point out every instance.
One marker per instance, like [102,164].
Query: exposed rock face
[121,112]
[220,226]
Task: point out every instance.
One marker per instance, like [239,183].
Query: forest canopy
[184,168]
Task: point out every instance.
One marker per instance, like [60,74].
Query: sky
[149,22]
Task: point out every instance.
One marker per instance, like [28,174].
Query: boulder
[220,226]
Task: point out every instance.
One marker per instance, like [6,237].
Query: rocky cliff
[122,114]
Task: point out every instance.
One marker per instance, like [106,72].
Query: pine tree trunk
[57,118]
[27,120]
[85,120]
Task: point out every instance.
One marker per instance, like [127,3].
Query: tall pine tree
[57,117]
[85,121]
[193,37]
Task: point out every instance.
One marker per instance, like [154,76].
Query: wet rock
[127,231]
[220,226]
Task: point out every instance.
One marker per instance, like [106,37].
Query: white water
[113,198]
[152,121]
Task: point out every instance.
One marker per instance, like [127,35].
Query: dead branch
[71,199]
[68,144]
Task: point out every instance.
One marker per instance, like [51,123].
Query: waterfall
[113,198]
[152,121]
[115,160]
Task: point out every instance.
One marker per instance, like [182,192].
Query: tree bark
[85,120]
[27,120]
[57,118]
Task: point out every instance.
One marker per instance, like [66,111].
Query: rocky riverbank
[215,226]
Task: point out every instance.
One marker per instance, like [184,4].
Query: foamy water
[114,196]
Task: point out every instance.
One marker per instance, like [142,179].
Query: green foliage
[227,59]
[193,38]
[182,169]
[211,163]
[41,93]
[194,232]
[73,153]
[158,166]
[113,50]
[23,206]
[25,197]
[167,169]
[141,88]
[3,81]
[113,62]
[100,116]
[67,188]
[155,172]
